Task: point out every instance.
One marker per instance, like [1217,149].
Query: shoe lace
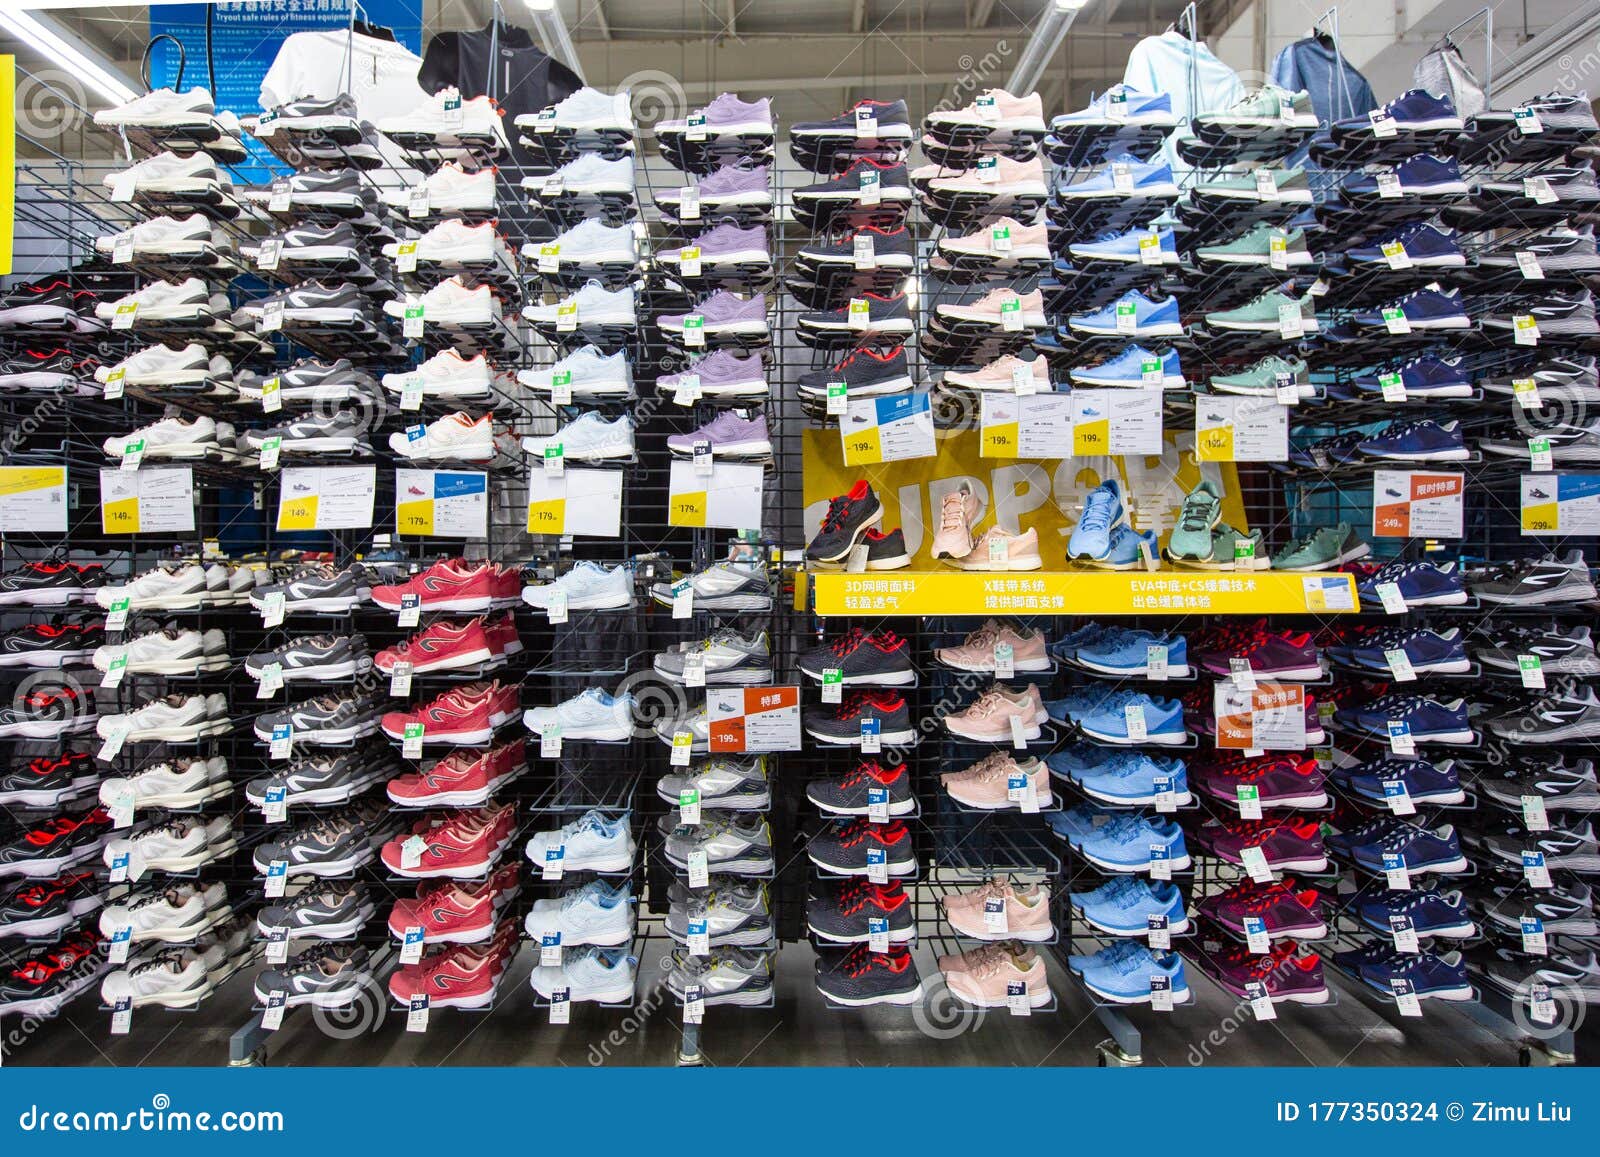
[1096,514]
[952,512]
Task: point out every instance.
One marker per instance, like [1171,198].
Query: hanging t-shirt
[1162,64]
[504,64]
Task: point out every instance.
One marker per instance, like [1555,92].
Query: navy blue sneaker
[1424,377]
[1431,912]
[1421,584]
[1425,246]
[1415,111]
[1421,176]
[1425,782]
[1333,450]
[1429,652]
[1419,850]
[1432,977]
[1418,440]
[1429,720]
[1372,952]
[1427,308]
[1365,832]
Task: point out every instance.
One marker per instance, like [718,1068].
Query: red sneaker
[449,913]
[463,715]
[451,584]
[502,633]
[443,646]
[460,779]
[464,846]
[459,977]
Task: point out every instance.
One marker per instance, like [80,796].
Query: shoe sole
[903,807]
[894,867]
[910,997]
[1174,927]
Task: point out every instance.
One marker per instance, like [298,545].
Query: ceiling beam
[981,12]
[731,21]
[600,20]
[858,16]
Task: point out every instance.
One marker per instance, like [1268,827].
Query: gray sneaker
[723,782]
[318,588]
[741,844]
[335,910]
[727,976]
[1553,719]
[1570,851]
[314,657]
[1263,315]
[732,919]
[679,892]
[326,976]
[331,721]
[1266,377]
[724,586]
[1532,582]
[727,658]
[330,777]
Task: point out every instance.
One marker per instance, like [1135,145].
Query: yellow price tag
[1000,441]
[414,517]
[547,517]
[298,514]
[1091,438]
[120,517]
[688,508]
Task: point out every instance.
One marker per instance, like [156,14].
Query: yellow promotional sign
[688,508]
[862,448]
[1541,519]
[1000,440]
[1091,438]
[1215,444]
[120,516]
[414,517]
[548,516]
[298,514]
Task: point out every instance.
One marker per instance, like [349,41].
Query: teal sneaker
[1202,510]
[1322,549]
[1263,315]
[1256,248]
[1260,185]
[1265,377]
[1268,107]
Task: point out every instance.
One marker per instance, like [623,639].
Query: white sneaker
[595,974]
[170,174]
[588,587]
[184,783]
[587,110]
[159,589]
[592,242]
[171,438]
[588,437]
[593,914]
[587,173]
[593,842]
[162,109]
[447,375]
[174,979]
[164,237]
[179,845]
[455,437]
[451,189]
[190,300]
[450,303]
[170,651]
[593,714]
[453,243]
[589,372]
[473,119]
[175,719]
[179,912]
[159,365]
[596,306]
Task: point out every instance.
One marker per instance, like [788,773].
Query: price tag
[878,865]
[871,736]
[1534,870]
[555,863]
[277,945]
[1393,387]
[119,868]
[117,619]
[1527,121]
[865,256]
[1531,670]
[1382,123]
[1017,998]
[412,323]
[1400,665]
[1004,661]
[687,391]
[694,331]
[122,248]
[1248,797]
[272,609]
[132,454]
[277,877]
[1150,249]
[550,950]
[1000,239]
[1541,1005]
[400,679]
[1133,719]
[123,186]
[1395,872]
[1533,937]
[417,201]
[272,1015]
[703,462]
[411,392]
[275,803]
[1525,329]
[1398,798]
[682,748]
[1395,320]
[1400,740]
[877,934]
[1255,935]
[699,939]
[699,871]
[115,669]
[866,122]
[1242,674]
[115,384]
[696,128]
[689,806]
[877,805]
[124,317]
[282,742]
[1127,317]
[1266,185]
[550,742]
[832,685]
[1389,185]
[1277,250]
[1534,815]
[411,741]
[1161,993]
[1166,796]
[121,941]
[694,669]
[1539,190]
[122,1016]
[1011,315]
[114,740]
[694,1004]
[1255,992]
[859,315]
[1291,325]
[1526,391]
[410,610]
[689,203]
[279,195]
[405,259]
[271,681]
[1160,862]
[1404,931]
[1405,996]
[1394,603]
[689,261]
[561,1006]
[555,460]
[269,254]
[838,398]
[1158,932]
[871,190]
[1394,253]
[989,170]
[412,943]
[417,1013]
[1540,456]
[1528,265]
[1254,862]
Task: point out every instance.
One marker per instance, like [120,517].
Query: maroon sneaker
[1280,780]
[1288,844]
[1286,912]
[1282,973]
[1288,655]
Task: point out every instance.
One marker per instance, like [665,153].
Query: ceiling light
[38,36]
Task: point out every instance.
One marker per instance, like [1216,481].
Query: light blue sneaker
[1126,552]
[1076,822]
[1121,105]
[1126,978]
[1083,700]
[1077,759]
[1135,778]
[1123,906]
[1129,367]
[1150,318]
[1125,844]
[1127,653]
[1128,247]
[587,586]
[1163,721]
[1067,645]
[1102,510]
[1124,176]
[1079,961]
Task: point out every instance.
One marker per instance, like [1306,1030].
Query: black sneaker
[51,584]
[847,517]
[1561,788]
[893,122]
[1574,851]
[1575,975]
[1557,718]
[848,847]
[1559,652]
[886,551]
[1564,910]
[1538,582]
[862,977]
[56,371]
[45,907]
[312,114]
[338,246]
[842,724]
[314,657]
[1557,250]
[892,182]
[314,303]
[47,303]
[333,720]
[844,913]
[1557,315]
[1572,187]
[885,315]
[335,432]
[48,713]
[48,780]
[324,589]
[324,778]
[891,249]
[48,645]
[310,380]
[331,845]
[42,982]
[878,659]
[1559,379]
[326,975]
[342,191]
[865,372]
[851,794]
[49,848]
[335,910]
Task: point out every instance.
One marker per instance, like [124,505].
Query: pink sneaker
[1003,375]
[988,720]
[977,652]
[988,309]
[1000,549]
[983,976]
[1002,240]
[995,108]
[1008,178]
[958,510]
[1024,915]
[986,785]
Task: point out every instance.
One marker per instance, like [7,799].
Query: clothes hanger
[374,31]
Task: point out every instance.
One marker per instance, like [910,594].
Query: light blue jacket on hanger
[1162,63]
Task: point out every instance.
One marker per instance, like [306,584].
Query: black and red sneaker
[44,907]
[49,303]
[847,517]
[883,711]
[861,977]
[48,780]
[47,849]
[50,584]
[890,248]
[887,314]
[48,713]
[55,371]
[851,794]
[854,847]
[42,983]
[844,914]
[866,373]
[881,659]
[49,645]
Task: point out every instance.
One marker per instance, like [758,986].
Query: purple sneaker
[723,313]
[726,116]
[734,185]
[726,245]
[1286,656]
[728,435]
[723,374]
[1282,974]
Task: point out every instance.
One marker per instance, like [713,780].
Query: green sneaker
[1230,550]
[1202,510]
[1255,248]
[1263,315]
[1265,377]
[1322,549]
[1269,107]
[1260,185]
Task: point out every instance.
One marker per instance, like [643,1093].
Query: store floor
[797,1031]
